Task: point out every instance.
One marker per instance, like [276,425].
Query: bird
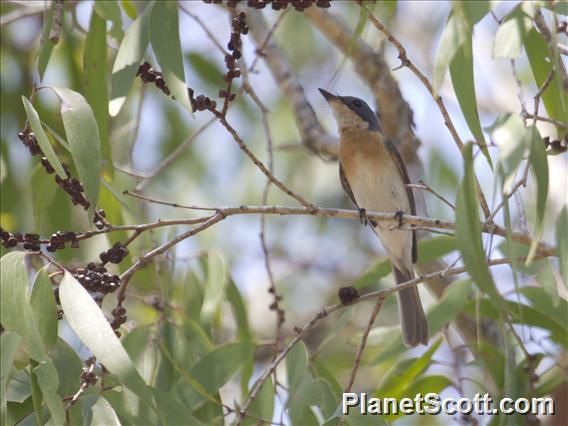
[374,177]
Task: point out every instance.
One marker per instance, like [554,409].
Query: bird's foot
[363,217]
[399,215]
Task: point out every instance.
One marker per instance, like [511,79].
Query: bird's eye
[357,103]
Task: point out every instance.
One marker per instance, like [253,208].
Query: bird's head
[351,113]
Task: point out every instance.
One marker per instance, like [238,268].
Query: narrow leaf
[461,71]
[43,304]
[110,11]
[215,285]
[468,230]
[102,413]
[128,58]
[455,34]
[539,165]
[89,323]
[95,76]
[41,137]
[509,38]
[164,35]
[562,243]
[47,45]
[84,140]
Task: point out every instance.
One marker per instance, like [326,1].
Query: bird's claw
[398,214]
[363,217]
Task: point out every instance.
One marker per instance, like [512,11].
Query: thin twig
[426,187]
[258,163]
[203,27]
[540,91]
[524,112]
[363,343]
[550,41]
[57,22]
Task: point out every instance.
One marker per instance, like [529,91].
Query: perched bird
[374,176]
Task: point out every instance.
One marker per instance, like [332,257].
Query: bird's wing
[404,175]
[345,184]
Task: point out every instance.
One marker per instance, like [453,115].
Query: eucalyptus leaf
[130,54]
[164,36]
[41,137]
[83,136]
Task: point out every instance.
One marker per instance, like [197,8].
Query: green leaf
[172,411]
[456,33]
[110,11]
[215,285]
[312,393]
[435,248]
[41,137]
[17,315]
[395,382]
[461,71]
[542,61]
[164,35]
[263,405]
[243,330]
[68,366]
[539,165]
[47,45]
[43,193]
[91,327]
[84,140]
[562,243]
[296,365]
[214,370]
[127,61]
[513,140]
[373,274]
[554,308]
[9,342]
[509,38]
[45,309]
[129,9]
[468,230]
[102,413]
[95,75]
[450,305]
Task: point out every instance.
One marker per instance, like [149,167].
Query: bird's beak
[329,97]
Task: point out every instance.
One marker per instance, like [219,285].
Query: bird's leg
[363,217]
[398,214]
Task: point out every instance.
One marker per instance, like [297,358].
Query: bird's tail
[412,318]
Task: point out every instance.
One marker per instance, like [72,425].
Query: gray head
[352,113]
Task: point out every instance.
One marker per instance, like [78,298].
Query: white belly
[380,188]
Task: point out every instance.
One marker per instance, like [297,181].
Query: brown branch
[223,120]
[549,39]
[57,22]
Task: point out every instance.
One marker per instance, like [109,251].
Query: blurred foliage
[197,332]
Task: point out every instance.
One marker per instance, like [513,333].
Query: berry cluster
[57,241]
[201,102]
[31,241]
[275,306]
[88,376]
[299,5]
[29,140]
[150,75]
[119,318]
[115,254]
[70,184]
[557,145]
[95,278]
